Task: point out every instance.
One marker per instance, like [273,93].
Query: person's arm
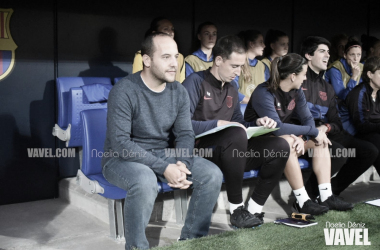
[183,131]
[263,103]
[188,69]
[334,76]
[119,123]
[359,111]
[137,63]
[193,86]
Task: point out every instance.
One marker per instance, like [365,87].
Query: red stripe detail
[2,24]
[1,62]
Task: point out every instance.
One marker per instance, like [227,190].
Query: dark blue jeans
[141,184]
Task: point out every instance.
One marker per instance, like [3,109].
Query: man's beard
[161,76]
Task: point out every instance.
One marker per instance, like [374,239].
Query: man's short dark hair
[311,43]
[147,46]
[226,45]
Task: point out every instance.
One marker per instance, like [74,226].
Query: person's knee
[279,150]
[237,136]
[210,174]
[216,176]
[290,142]
[281,145]
[143,184]
[372,151]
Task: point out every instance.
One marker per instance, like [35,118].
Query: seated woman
[344,74]
[161,24]
[202,59]
[276,44]
[281,99]
[254,71]
[371,45]
[364,105]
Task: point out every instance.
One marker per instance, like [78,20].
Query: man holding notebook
[214,103]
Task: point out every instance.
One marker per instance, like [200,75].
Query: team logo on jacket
[207,96]
[7,45]
[323,95]
[229,101]
[292,104]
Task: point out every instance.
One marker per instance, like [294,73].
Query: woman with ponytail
[345,73]
[163,25]
[254,71]
[281,99]
[276,44]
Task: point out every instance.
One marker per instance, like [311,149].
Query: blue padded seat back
[77,103]
[64,84]
[95,128]
[94,134]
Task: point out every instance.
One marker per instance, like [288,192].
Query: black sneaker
[310,207]
[242,218]
[260,216]
[335,202]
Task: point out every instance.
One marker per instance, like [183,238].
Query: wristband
[304,138]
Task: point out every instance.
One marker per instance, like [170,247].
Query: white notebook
[251,131]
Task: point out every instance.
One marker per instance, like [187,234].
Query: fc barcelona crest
[7,45]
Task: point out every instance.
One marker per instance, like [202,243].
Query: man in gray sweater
[149,112]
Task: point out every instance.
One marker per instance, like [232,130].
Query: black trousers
[234,154]
[373,138]
[350,167]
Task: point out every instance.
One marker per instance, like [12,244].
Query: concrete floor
[56,224]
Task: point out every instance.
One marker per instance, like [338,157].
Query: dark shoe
[310,207]
[241,218]
[260,216]
[335,202]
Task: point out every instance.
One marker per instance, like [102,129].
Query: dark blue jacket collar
[199,53]
[252,62]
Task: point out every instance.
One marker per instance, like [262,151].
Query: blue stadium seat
[71,101]
[91,179]
[304,164]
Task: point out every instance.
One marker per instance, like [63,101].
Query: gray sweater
[140,119]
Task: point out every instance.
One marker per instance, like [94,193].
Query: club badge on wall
[7,45]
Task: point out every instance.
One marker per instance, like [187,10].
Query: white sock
[325,191]
[301,196]
[234,206]
[253,207]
